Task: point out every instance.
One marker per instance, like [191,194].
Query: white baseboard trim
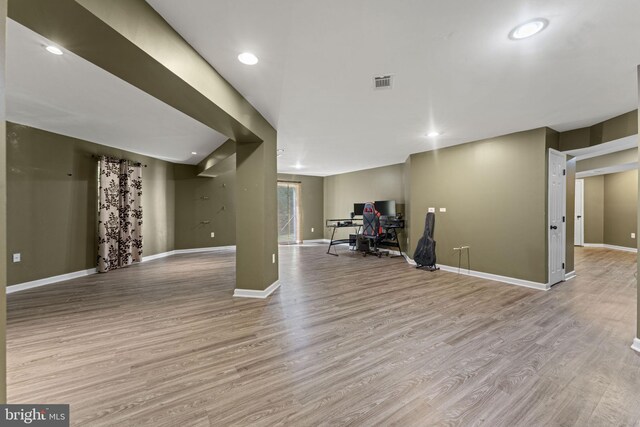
[613,247]
[209,249]
[251,293]
[50,280]
[410,261]
[157,256]
[570,275]
[621,248]
[636,344]
[489,276]
[83,273]
[497,278]
[316,241]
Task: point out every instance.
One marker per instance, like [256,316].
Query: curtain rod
[95,156]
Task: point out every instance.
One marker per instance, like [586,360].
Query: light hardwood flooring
[344,341]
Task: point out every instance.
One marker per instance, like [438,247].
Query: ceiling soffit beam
[608,160]
[222,153]
[74,27]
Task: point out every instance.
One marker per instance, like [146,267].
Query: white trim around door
[579,213]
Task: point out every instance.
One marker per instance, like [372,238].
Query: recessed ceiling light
[528,29]
[248,58]
[433,134]
[193,153]
[54,49]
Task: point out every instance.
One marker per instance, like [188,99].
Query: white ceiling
[69,95]
[456,70]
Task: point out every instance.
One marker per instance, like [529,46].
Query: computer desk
[391,239]
[334,224]
[389,227]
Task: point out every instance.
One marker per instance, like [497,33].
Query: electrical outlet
[273,258]
[213,234]
[443,209]
[16,257]
[633,235]
[312,229]
[432,210]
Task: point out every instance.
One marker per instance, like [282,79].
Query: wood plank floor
[344,341]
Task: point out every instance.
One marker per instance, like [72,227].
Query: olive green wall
[609,130]
[610,205]
[202,199]
[3,206]
[343,190]
[620,208]
[204,206]
[495,195]
[312,204]
[52,190]
[594,209]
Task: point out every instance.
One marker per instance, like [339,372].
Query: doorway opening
[289,220]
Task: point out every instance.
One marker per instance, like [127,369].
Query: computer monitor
[386,207]
[358,208]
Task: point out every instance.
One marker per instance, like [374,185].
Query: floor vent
[382,82]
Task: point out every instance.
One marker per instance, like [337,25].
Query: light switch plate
[312,229]
[432,210]
[633,235]
[213,234]
[16,257]
[273,258]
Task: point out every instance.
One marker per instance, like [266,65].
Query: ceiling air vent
[382,82]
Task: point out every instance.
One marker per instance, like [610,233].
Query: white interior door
[557,207]
[579,210]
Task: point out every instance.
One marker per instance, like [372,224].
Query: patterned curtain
[120,214]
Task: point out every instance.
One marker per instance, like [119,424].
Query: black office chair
[371,231]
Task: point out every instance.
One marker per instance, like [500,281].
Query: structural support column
[256,221]
[3,205]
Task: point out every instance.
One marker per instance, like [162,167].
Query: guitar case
[425,253]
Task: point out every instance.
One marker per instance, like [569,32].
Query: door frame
[581,181]
[553,152]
